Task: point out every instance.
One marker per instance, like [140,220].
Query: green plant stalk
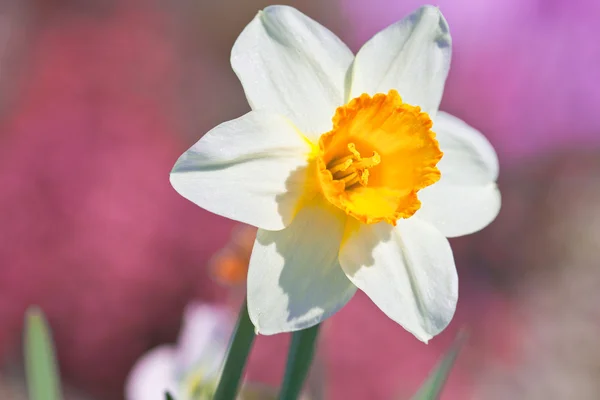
[300,355]
[237,355]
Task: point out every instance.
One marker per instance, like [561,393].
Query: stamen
[351,179]
[370,162]
[364,177]
[353,168]
[341,165]
[354,152]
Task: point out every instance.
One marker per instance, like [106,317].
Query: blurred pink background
[99,98]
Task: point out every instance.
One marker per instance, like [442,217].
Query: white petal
[411,56]
[204,339]
[153,375]
[251,169]
[292,65]
[469,158]
[459,210]
[408,271]
[294,279]
[466,199]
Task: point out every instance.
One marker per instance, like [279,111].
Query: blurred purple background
[99,98]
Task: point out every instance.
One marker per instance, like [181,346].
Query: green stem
[237,355]
[302,349]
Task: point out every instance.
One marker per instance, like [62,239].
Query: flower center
[383,186]
[353,169]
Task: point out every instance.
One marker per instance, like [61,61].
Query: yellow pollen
[384,186]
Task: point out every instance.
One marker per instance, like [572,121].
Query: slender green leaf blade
[43,381]
[433,386]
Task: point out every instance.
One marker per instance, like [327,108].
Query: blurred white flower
[190,369]
[329,163]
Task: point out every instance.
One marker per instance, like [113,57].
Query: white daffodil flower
[190,369]
[339,167]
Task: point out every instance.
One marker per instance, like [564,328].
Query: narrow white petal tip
[433,15]
[424,335]
[273,8]
[260,328]
[429,11]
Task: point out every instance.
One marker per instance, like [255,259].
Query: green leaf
[168,396]
[432,388]
[43,381]
[302,349]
